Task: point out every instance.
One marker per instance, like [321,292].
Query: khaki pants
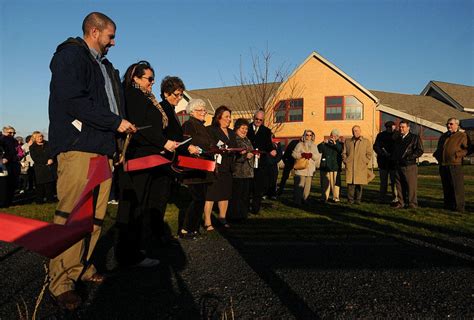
[328,184]
[302,188]
[65,269]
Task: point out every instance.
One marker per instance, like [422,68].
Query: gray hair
[5,128]
[453,119]
[193,104]
[335,132]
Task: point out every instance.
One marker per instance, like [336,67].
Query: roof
[333,67]
[424,110]
[458,95]
[234,97]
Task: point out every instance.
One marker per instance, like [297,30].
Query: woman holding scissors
[137,191]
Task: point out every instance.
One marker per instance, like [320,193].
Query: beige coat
[357,157]
[313,162]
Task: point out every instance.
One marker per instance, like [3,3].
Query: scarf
[150,96]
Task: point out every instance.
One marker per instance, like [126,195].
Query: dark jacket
[261,141]
[329,154]
[243,166]
[141,112]
[383,147]
[228,159]
[201,138]
[407,150]
[287,157]
[174,130]
[77,92]
[40,154]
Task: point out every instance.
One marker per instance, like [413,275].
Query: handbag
[301,163]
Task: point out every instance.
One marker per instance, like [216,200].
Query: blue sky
[387,45]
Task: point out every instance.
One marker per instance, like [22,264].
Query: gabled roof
[323,60]
[233,97]
[424,110]
[459,96]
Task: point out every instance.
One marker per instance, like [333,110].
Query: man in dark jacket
[289,163]
[407,149]
[85,106]
[383,147]
[452,147]
[12,163]
[261,138]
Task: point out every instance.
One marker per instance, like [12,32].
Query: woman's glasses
[150,79]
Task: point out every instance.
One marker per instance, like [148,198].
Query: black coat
[201,138]
[40,155]
[407,150]
[383,147]
[261,141]
[227,158]
[141,112]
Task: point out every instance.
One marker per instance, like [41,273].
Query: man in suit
[453,145]
[408,148]
[261,138]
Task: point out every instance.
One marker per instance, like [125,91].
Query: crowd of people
[95,113]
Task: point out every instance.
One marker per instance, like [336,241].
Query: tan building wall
[314,81]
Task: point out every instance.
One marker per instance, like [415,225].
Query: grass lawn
[315,221]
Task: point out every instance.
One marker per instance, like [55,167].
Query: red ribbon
[145,162]
[196,163]
[50,239]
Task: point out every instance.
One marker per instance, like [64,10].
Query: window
[182,116]
[343,108]
[289,111]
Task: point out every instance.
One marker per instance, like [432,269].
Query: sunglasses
[178,95]
[150,79]
[258,119]
[11,132]
[450,124]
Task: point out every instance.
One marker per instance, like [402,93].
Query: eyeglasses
[309,135]
[150,79]
[258,119]
[178,95]
[11,132]
[450,124]
[200,110]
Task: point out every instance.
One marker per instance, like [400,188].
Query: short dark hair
[136,70]
[240,122]
[389,124]
[405,122]
[218,114]
[170,84]
[96,20]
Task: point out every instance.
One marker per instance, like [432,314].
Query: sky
[385,45]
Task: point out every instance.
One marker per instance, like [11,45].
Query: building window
[289,111]
[343,108]
[182,116]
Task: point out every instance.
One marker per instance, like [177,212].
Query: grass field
[315,221]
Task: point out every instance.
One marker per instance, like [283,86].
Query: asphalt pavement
[229,277]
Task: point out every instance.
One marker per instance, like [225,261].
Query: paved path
[366,277]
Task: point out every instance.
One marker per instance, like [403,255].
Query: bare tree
[258,88]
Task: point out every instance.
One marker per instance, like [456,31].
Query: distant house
[320,96]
